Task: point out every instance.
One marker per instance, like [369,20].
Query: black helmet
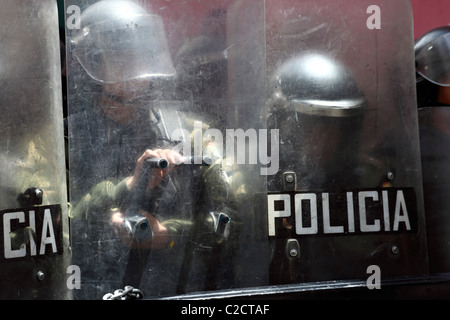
[316,84]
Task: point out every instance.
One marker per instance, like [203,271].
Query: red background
[430,14]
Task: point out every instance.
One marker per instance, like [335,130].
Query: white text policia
[315,213]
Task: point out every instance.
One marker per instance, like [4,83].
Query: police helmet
[432,52]
[119,41]
[315,84]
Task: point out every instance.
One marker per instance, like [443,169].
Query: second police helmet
[315,84]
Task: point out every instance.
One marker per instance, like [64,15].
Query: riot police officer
[123,50]
[433,99]
[318,109]
[433,67]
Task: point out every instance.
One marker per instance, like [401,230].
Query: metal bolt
[143,225]
[293,252]
[390,175]
[289,178]
[38,193]
[395,249]
[40,275]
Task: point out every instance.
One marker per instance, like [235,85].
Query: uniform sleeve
[101,199]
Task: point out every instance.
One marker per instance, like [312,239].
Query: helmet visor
[132,51]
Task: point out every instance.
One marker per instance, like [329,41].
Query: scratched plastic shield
[35,252]
[185,106]
[315,146]
[341,90]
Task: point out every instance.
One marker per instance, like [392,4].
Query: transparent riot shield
[35,253]
[347,199]
[217,145]
[149,111]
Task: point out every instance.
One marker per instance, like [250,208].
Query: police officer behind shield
[318,109]
[123,50]
[433,68]
[432,52]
